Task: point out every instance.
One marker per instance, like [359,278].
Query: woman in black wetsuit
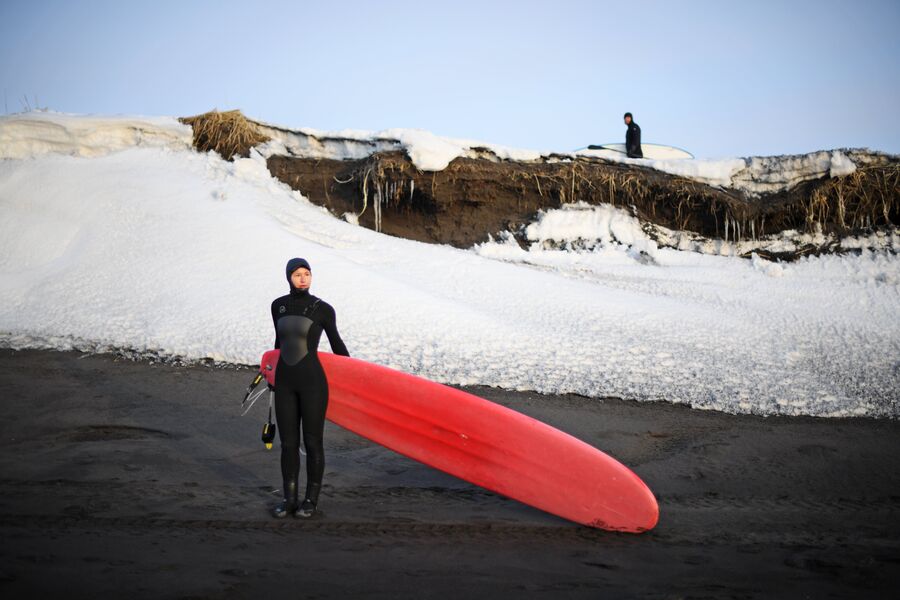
[301,389]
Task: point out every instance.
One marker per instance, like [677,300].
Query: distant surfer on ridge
[301,388]
[632,138]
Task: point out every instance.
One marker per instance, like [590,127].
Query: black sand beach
[140,480]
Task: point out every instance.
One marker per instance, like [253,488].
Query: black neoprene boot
[289,504]
[308,508]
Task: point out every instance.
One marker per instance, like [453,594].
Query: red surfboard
[483,443]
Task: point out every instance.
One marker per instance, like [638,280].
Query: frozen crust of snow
[36,133]
[427,151]
[179,254]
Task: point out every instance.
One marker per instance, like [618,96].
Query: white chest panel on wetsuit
[293,331]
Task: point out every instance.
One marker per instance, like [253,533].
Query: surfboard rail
[651,151]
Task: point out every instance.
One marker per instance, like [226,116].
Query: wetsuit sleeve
[334,338]
[275,323]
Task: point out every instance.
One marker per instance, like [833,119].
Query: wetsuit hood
[293,265]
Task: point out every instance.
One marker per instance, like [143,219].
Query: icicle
[378,206]
[365,195]
[383,202]
[412,189]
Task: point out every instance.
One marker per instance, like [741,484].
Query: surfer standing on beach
[632,138]
[301,388]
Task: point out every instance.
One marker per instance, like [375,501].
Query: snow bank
[35,133]
[180,254]
[754,176]
[774,173]
[426,150]
[715,172]
[582,227]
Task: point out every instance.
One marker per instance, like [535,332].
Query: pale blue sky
[716,78]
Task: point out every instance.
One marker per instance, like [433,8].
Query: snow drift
[36,133]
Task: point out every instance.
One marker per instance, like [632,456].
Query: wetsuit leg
[313,404]
[287,416]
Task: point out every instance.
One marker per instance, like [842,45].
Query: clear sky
[718,78]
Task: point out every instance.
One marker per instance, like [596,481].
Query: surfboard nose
[487,444]
[635,511]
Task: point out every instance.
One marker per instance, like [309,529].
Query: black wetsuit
[633,141]
[301,389]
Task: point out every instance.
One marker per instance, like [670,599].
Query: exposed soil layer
[476,197]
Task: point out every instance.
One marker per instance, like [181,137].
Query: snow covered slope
[171,252]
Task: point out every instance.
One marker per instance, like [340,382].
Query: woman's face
[301,278]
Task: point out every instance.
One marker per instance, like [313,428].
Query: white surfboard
[651,151]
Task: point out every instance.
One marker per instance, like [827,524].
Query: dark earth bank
[474,198]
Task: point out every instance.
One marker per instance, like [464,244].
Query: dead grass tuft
[229,133]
